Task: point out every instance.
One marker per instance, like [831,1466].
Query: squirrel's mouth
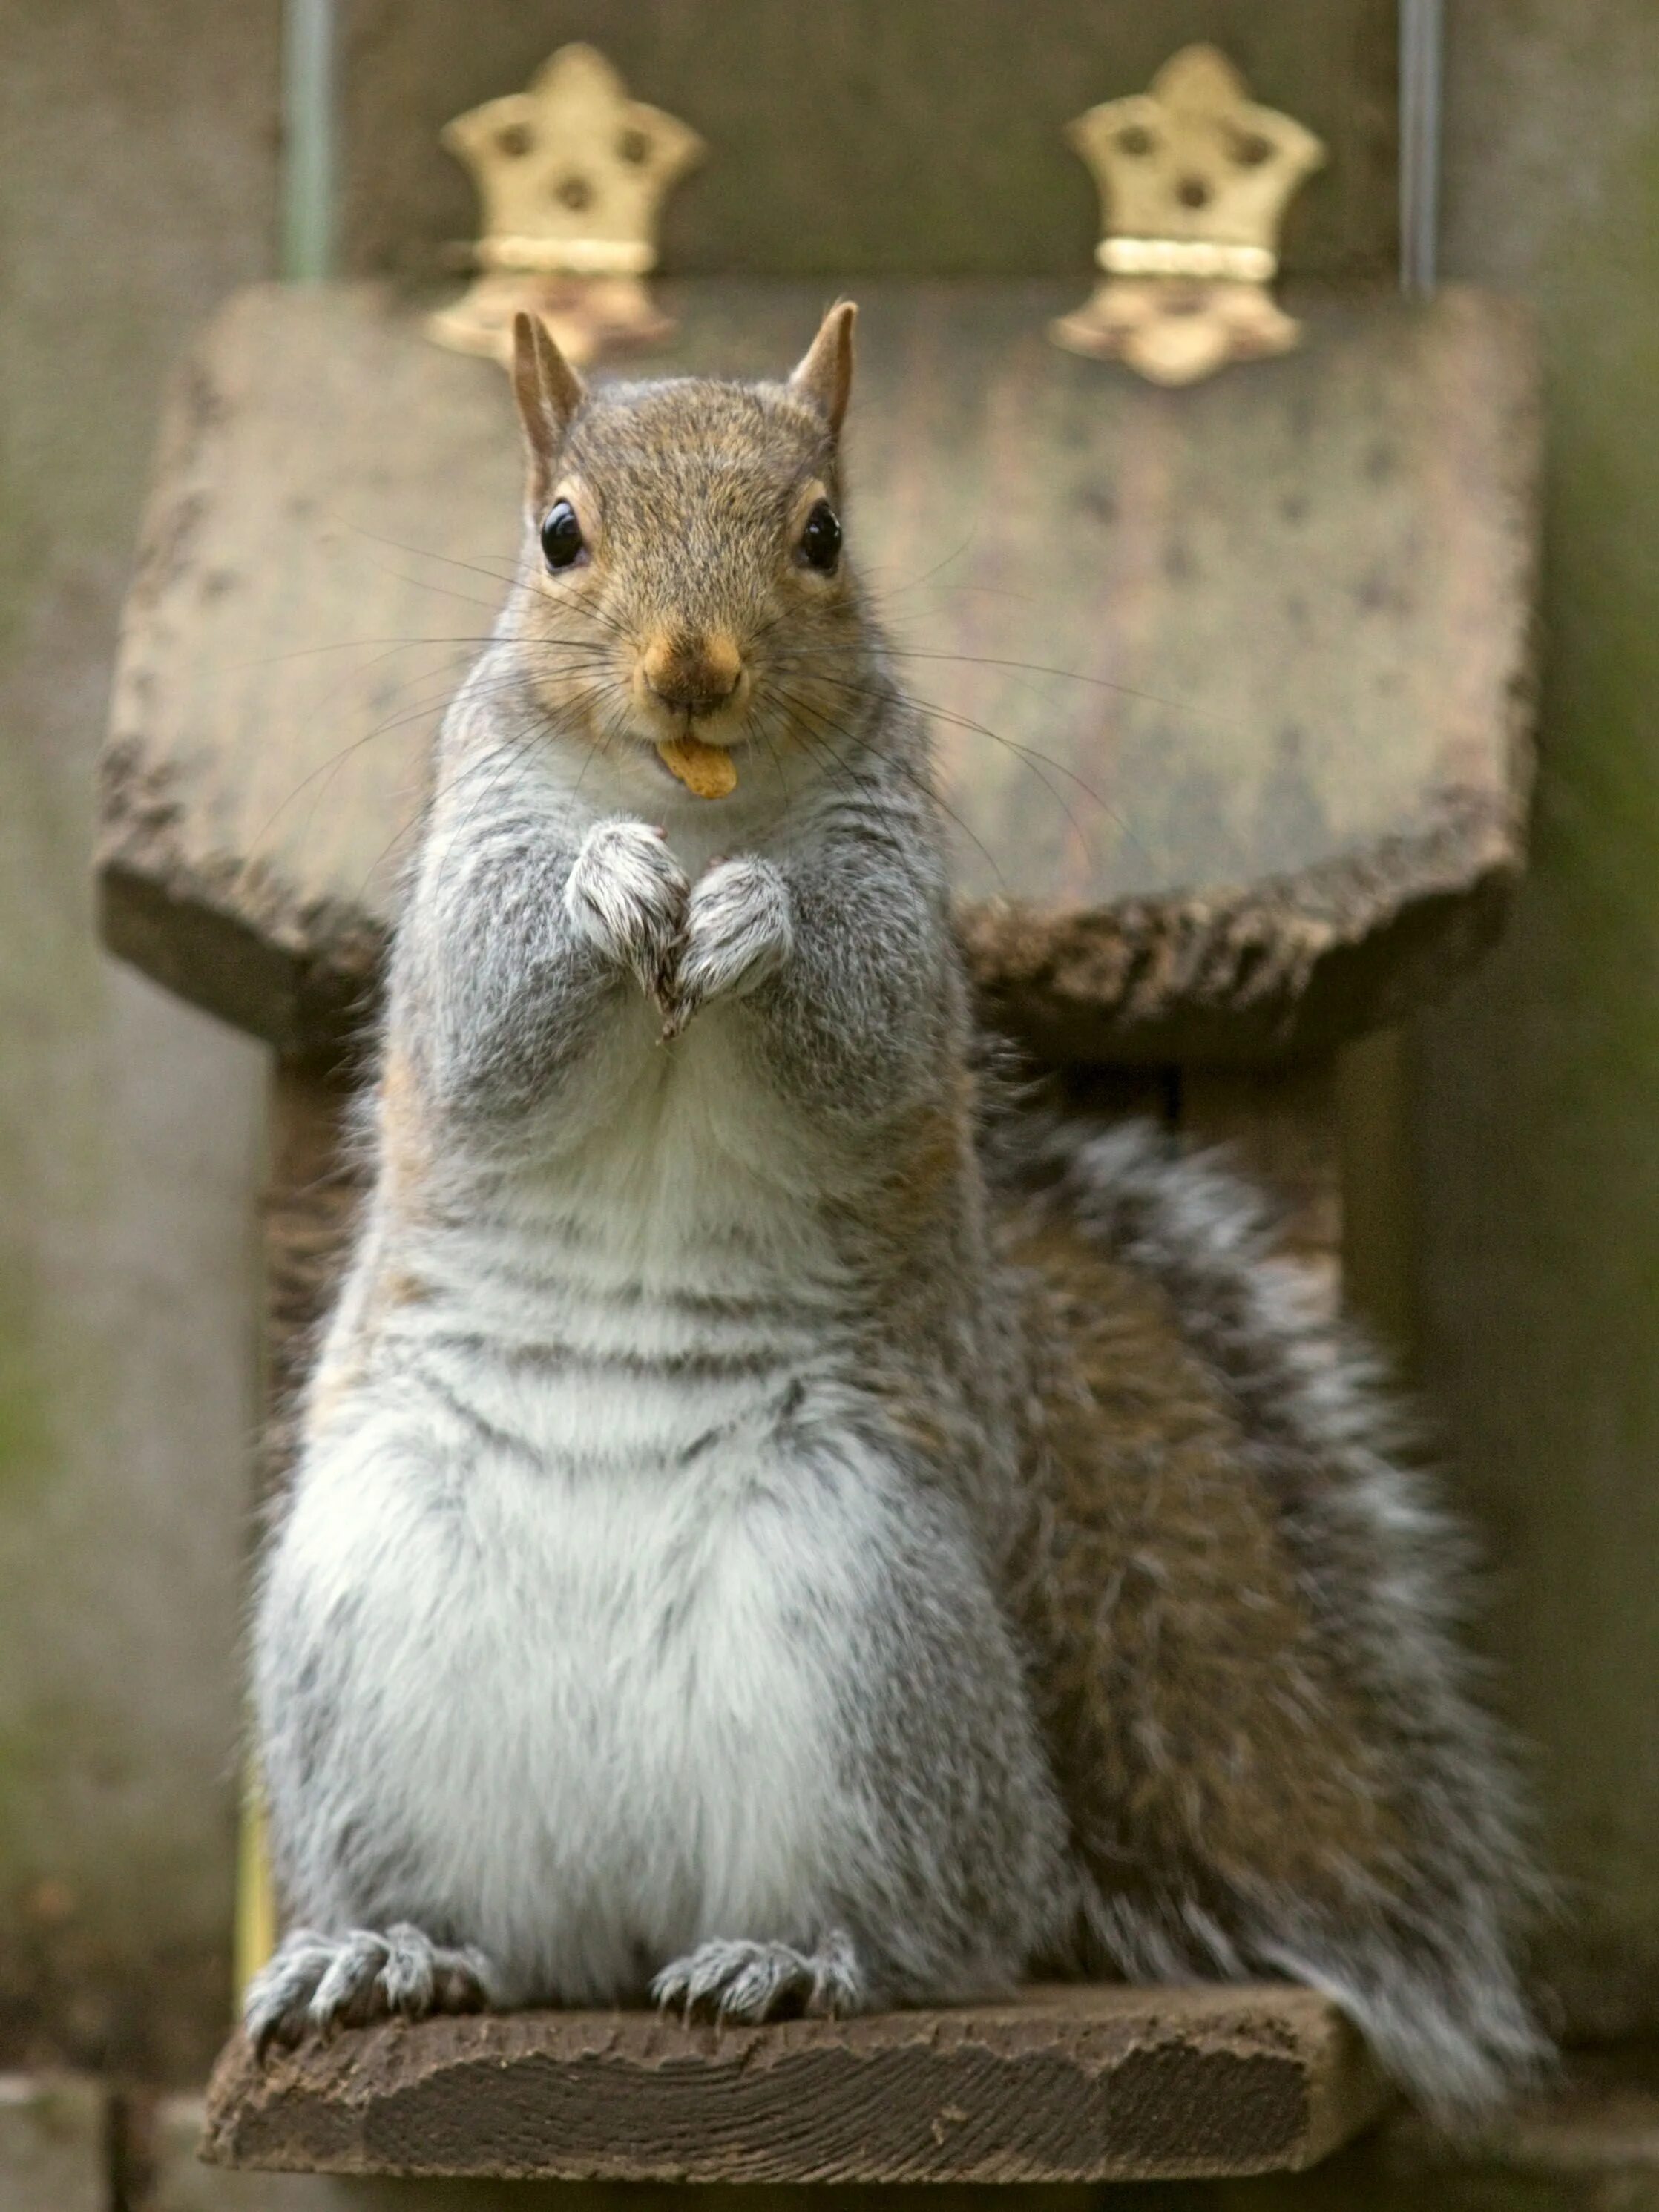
[707,700]
[693,727]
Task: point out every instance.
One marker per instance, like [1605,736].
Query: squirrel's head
[682,574]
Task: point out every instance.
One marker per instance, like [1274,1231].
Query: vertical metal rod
[308,144]
[1421,34]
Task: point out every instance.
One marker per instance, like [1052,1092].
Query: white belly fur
[589,1711]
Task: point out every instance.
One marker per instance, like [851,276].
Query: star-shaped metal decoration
[571,175]
[1195,177]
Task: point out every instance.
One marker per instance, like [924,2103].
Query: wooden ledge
[1229,687]
[1061,2085]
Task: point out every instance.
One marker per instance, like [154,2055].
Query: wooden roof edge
[1253,975]
[1259,973]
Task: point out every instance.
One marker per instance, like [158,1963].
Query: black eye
[561,535]
[820,538]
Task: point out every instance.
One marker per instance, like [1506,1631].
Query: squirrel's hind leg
[315,1983]
[734,1979]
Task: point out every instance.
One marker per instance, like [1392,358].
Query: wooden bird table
[1065,2085]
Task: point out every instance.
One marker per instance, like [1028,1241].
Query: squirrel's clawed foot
[315,1983]
[732,1979]
[628,898]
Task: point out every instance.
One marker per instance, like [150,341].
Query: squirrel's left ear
[549,392]
[824,378]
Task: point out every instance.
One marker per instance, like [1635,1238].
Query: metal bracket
[1195,177]
[572,175]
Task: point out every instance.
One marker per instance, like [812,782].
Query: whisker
[406,717]
[927,790]
[1029,754]
[427,553]
[480,639]
[1067,674]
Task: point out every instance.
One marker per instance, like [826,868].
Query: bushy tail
[1415,1937]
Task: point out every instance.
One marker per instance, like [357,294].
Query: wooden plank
[1079,2084]
[1587,2141]
[1230,683]
[923,137]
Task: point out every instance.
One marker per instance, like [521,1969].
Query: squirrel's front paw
[626,898]
[737,932]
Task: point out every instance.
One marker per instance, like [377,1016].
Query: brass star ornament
[571,175]
[1195,177]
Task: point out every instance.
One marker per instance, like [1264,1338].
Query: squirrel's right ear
[825,377]
[549,392]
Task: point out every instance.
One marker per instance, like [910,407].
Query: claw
[733,1979]
[317,1985]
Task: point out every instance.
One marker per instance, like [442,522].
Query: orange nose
[693,675]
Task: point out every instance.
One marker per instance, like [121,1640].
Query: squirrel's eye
[561,535]
[820,538]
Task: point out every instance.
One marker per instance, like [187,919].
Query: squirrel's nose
[693,675]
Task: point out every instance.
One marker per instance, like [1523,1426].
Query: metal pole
[307,175]
[1421,34]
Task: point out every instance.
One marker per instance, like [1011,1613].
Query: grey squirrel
[766,1537]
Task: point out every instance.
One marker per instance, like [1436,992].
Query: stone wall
[137,176]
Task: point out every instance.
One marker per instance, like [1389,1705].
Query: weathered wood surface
[1231,684]
[1074,2084]
[923,137]
[1588,2142]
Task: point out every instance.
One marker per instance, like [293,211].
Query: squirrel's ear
[824,378]
[549,392]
